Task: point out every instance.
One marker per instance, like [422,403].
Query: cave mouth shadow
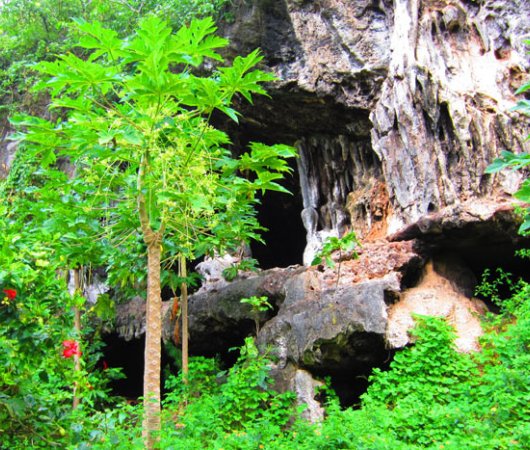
[348,374]
[285,238]
[129,357]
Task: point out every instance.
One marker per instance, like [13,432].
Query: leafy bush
[236,409]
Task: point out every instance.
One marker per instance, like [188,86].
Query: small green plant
[248,264]
[332,244]
[258,305]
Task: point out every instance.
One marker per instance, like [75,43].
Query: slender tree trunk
[77,328]
[184,315]
[153,336]
[153,319]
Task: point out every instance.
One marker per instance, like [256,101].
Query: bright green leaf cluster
[334,244]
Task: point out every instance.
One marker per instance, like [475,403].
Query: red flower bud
[11,293]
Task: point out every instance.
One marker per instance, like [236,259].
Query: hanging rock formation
[402,104]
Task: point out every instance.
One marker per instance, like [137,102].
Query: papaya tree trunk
[184,315]
[77,328]
[152,356]
[153,319]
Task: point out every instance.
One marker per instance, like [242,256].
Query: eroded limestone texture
[443,112]
[396,107]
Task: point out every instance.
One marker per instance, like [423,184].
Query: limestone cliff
[396,107]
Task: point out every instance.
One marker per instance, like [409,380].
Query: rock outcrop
[340,321]
[396,107]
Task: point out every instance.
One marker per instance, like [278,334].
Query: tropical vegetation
[116,155]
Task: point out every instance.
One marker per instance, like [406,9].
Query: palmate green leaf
[230,112]
[132,136]
[80,103]
[191,44]
[202,93]
[151,39]
[267,157]
[98,38]
[265,181]
[72,74]
[238,79]
[107,136]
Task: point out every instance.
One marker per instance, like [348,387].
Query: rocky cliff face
[396,107]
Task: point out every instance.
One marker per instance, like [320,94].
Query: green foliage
[31,31]
[145,135]
[231,409]
[431,370]
[247,264]
[258,305]
[134,123]
[431,397]
[334,244]
[509,160]
[36,380]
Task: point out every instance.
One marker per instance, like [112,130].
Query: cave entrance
[348,368]
[285,238]
[129,356]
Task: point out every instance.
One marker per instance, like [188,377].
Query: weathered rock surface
[340,320]
[310,305]
[443,113]
[470,223]
[130,320]
[438,296]
[324,321]
[217,318]
[302,383]
[396,107]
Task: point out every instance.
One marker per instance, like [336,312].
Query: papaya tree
[134,119]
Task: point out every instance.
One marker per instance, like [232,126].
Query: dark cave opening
[486,245]
[285,238]
[348,374]
[129,356]
[493,257]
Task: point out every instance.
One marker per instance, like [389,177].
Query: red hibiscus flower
[11,293]
[71,348]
